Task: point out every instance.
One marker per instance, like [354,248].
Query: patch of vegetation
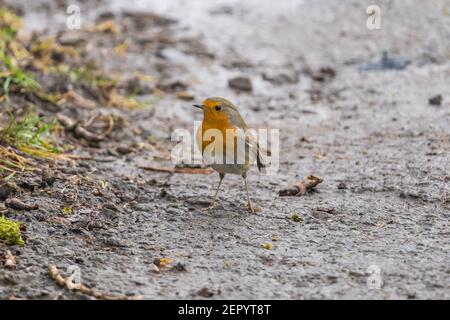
[89,74]
[106,85]
[14,74]
[67,211]
[10,50]
[125,102]
[30,135]
[296,218]
[49,54]
[9,24]
[267,246]
[11,163]
[10,232]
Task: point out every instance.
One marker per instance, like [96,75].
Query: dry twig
[178,170]
[79,287]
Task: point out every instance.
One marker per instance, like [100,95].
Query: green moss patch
[10,231]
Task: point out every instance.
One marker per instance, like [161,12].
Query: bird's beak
[198,106]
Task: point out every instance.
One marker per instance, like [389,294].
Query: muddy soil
[381,147]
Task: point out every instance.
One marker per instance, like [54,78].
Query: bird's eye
[218,108]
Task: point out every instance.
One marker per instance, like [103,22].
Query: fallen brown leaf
[184,95]
[162,262]
[10,260]
[78,101]
[302,187]
[108,26]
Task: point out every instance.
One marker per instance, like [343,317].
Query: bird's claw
[251,208]
[211,206]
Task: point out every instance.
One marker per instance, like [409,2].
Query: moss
[296,218]
[67,211]
[10,231]
[267,246]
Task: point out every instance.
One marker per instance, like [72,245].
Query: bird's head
[221,111]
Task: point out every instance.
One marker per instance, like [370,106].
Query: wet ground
[381,147]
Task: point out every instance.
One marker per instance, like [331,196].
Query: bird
[225,143]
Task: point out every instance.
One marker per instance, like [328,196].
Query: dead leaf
[184,95]
[302,187]
[78,101]
[108,26]
[117,100]
[10,260]
[162,262]
[205,292]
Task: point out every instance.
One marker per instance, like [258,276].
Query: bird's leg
[213,202]
[249,203]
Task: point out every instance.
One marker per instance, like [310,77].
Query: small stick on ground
[302,187]
[79,287]
[78,157]
[178,170]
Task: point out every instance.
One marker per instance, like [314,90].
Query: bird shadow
[222,209]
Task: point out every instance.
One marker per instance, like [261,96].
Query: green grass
[12,73]
[6,84]
[16,75]
[30,134]
[88,74]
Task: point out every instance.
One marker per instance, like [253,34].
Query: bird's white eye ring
[218,108]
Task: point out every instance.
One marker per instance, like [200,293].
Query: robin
[225,143]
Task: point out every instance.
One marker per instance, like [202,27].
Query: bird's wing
[261,153]
[245,147]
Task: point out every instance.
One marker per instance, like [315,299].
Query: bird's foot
[251,208]
[211,206]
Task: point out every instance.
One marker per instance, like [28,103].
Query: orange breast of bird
[204,138]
